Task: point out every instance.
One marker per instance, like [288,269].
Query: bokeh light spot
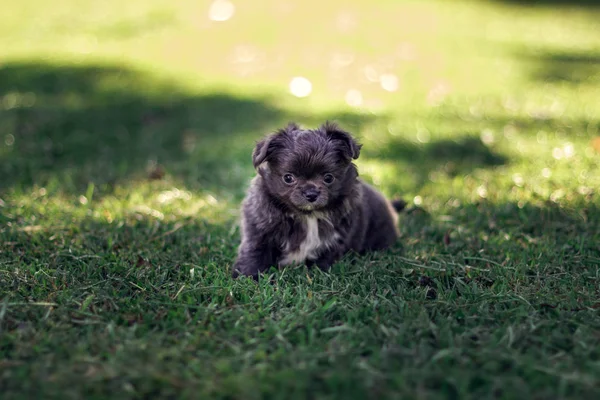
[300,86]
[487,137]
[9,140]
[354,98]
[371,73]
[340,60]
[423,136]
[542,137]
[10,100]
[482,192]
[438,93]
[546,173]
[389,82]
[221,10]
[584,190]
[557,153]
[557,195]
[569,150]
[518,180]
[510,131]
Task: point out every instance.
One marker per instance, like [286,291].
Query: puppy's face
[308,170]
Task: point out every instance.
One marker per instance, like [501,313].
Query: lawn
[126,129]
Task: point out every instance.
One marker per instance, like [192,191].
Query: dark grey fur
[279,220]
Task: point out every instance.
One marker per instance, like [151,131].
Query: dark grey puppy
[307,205]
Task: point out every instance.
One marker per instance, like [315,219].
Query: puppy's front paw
[245,269]
[326,261]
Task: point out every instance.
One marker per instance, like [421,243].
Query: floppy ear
[351,149]
[260,153]
[265,147]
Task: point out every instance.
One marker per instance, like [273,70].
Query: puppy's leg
[326,260]
[252,261]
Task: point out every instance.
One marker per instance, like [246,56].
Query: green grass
[126,130]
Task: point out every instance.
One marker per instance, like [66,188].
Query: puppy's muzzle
[311,194]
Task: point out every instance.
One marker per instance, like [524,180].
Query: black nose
[311,194]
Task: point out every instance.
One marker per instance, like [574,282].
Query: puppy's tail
[399,205]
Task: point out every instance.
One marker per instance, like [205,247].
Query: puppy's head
[308,170]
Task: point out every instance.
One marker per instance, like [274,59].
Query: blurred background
[116,109]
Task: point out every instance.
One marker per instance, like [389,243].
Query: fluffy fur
[307,205]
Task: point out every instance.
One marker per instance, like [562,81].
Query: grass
[125,137]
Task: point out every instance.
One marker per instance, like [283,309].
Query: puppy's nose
[311,194]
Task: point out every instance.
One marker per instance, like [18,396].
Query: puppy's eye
[328,178]
[289,179]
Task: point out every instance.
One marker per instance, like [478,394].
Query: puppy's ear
[261,151]
[265,147]
[350,148]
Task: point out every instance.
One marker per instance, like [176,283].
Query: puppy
[307,205]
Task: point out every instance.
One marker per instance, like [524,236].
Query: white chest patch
[310,246]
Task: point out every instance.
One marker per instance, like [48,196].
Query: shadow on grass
[65,126]
[454,157]
[528,225]
[528,248]
[563,66]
